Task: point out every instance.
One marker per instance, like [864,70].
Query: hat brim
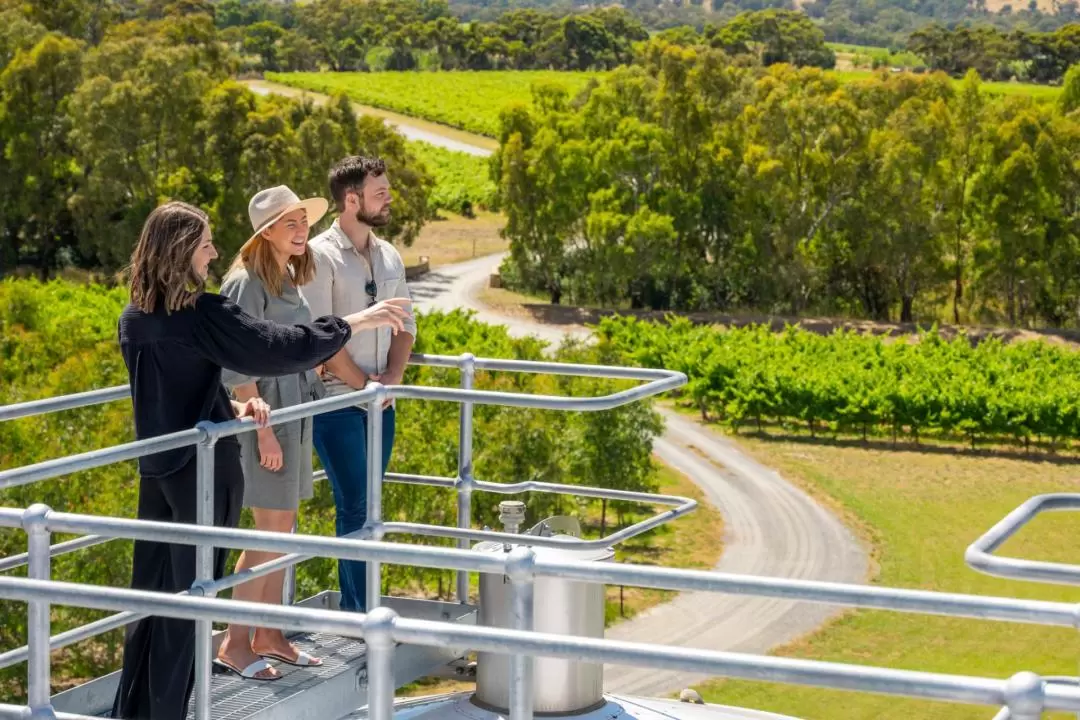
[315,208]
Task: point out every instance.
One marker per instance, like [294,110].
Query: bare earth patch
[1046,6]
[456,239]
[507,302]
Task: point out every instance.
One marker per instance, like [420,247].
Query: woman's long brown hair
[161,269]
[259,259]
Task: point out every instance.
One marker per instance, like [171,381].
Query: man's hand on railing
[390,377]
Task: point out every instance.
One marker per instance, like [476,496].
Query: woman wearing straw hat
[264,281]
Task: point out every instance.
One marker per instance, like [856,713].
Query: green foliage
[878,57]
[468,100]
[881,24]
[996,55]
[346,35]
[59,338]
[462,181]
[94,138]
[788,191]
[1070,96]
[773,36]
[857,384]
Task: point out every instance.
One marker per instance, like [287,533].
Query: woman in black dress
[176,338]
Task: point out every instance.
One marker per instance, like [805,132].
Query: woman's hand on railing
[255,408]
[390,312]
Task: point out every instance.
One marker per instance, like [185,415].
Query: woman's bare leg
[271,640]
[238,647]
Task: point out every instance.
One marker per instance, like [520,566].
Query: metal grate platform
[336,688]
[235,698]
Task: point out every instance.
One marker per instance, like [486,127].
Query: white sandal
[251,671]
[302,659]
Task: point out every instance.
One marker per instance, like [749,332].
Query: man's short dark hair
[350,174]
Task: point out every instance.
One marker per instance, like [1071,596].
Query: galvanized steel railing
[1025,695]
[206,435]
[980,554]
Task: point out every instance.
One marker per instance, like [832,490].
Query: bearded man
[356,269]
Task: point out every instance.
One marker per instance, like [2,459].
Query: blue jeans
[341,441]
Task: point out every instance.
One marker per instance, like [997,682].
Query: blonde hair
[161,269]
[259,258]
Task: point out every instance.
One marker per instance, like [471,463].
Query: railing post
[465,470]
[379,639]
[519,567]
[373,526]
[38,630]
[1025,695]
[204,567]
[288,587]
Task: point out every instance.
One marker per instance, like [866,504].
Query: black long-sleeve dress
[174,363]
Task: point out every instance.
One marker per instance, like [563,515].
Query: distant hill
[866,22]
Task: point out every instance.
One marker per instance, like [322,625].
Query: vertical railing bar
[288,588]
[374,496]
[379,639]
[204,569]
[519,567]
[38,628]
[465,470]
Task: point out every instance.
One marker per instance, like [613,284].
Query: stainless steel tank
[560,606]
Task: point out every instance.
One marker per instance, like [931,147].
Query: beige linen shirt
[339,289]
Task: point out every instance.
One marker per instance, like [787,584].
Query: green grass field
[468,100]
[919,510]
[1041,93]
[855,49]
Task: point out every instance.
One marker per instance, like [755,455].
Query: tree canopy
[692,182]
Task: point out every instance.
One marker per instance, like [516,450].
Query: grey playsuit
[285,488]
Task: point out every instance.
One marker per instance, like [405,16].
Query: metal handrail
[980,554]
[681,506]
[979,607]
[206,432]
[40,518]
[1006,714]
[90,398]
[1025,695]
[64,402]
[206,435]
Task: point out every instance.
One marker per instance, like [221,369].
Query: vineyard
[462,181]
[847,383]
[468,100]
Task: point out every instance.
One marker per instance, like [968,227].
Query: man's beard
[372,219]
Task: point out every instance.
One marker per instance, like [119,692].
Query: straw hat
[270,205]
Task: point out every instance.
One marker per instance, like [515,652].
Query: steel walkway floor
[332,690]
[237,698]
